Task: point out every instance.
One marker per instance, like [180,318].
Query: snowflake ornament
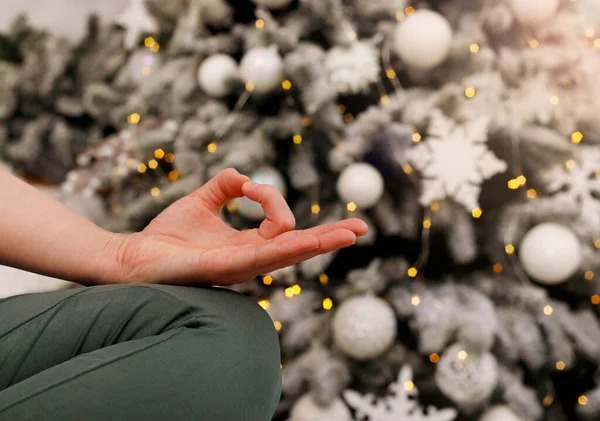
[352,69]
[578,182]
[454,160]
[137,21]
[400,404]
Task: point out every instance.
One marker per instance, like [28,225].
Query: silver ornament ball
[362,184]
[263,68]
[216,74]
[364,327]
[306,409]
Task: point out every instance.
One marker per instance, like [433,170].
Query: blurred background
[466,133]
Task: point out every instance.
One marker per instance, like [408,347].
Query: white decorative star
[454,160]
[137,21]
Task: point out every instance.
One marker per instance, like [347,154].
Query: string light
[513,184]
[554,100]
[548,310]
[400,15]
[170,158]
[407,169]
[498,268]
[582,400]
[151,43]
[129,163]
[289,292]
[277,325]
[409,385]
[462,354]
[597,244]
[315,208]
[385,99]
[297,139]
[532,193]
[327,303]
[434,358]
[155,191]
[153,164]
[597,43]
[522,180]
[341,108]
[231,207]
[474,48]
[595,299]
[470,92]
[415,300]
[249,86]
[267,280]
[590,32]
[548,400]
[146,70]
[509,249]
[323,279]
[173,175]
[476,213]
[133,118]
[416,137]
[588,275]
[570,164]
[211,147]
[264,304]
[390,73]
[286,85]
[560,365]
[412,272]
[351,206]
[306,121]
[409,10]
[576,137]
[534,43]
[348,118]
[296,289]
[260,24]
[159,154]
[155,47]
[426,223]
[142,168]
[435,206]
[352,35]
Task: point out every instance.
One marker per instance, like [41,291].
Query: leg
[137,352]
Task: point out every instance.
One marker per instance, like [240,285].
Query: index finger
[279,217]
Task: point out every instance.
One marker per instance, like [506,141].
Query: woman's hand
[189,244]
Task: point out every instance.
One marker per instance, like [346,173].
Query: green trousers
[137,352]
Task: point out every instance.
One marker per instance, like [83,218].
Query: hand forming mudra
[188,243]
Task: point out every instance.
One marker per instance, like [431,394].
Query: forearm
[41,235]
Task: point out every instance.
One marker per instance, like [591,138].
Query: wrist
[108,267]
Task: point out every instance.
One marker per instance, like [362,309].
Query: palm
[189,243]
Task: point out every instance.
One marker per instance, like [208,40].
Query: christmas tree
[465,133]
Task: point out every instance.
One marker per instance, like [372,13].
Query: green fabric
[137,352]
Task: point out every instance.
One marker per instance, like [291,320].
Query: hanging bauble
[499,413]
[364,327]
[423,39]
[262,69]
[534,12]
[264,175]
[468,379]
[216,74]
[550,253]
[142,64]
[361,184]
[272,4]
[306,409]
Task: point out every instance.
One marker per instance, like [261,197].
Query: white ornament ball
[305,409]
[263,67]
[216,73]
[364,327]
[362,184]
[265,175]
[423,39]
[550,253]
[534,12]
[467,379]
[499,413]
[272,4]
